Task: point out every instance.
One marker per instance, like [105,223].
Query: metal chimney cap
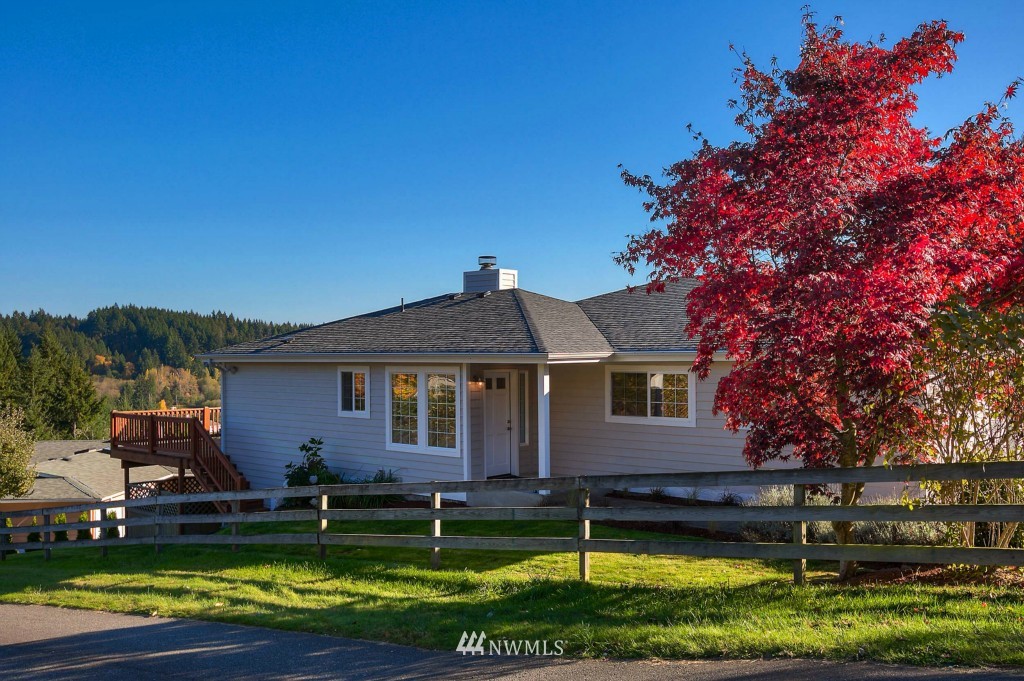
[487,262]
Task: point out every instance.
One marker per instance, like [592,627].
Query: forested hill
[125,341]
[63,375]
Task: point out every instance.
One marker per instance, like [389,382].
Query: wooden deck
[180,438]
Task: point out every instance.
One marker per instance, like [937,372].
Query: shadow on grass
[356,593]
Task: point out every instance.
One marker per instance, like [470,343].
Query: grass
[636,606]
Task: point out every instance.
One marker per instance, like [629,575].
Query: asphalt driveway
[39,643]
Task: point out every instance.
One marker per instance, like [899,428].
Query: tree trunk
[849,496]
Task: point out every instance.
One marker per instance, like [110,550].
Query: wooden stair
[183,438]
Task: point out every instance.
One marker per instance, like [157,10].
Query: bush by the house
[369,500]
[60,535]
[821,532]
[83,535]
[312,469]
[112,532]
[34,536]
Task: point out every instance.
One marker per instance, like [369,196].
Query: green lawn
[636,606]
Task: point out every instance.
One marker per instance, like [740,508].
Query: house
[72,472]
[488,381]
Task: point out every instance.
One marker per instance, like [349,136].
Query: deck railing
[577,509]
[160,430]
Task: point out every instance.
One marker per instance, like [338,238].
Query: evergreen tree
[11,384]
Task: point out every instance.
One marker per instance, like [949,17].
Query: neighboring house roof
[56,449]
[508,321]
[66,473]
[636,321]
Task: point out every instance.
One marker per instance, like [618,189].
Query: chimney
[489,277]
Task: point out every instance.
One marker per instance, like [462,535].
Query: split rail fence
[165,529]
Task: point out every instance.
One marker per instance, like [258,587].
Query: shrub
[818,532]
[866,532]
[83,535]
[60,535]
[369,501]
[312,470]
[6,539]
[111,532]
[34,537]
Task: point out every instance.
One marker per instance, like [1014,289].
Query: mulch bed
[941,576]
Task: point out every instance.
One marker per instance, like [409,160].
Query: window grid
[405,409]
[441,410]
[359,391]
[629,394]
[670,395]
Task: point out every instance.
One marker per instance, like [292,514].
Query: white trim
[421,409]
[522,395]
[353,369]
[399,357]
[467,470]
[691,384]
[543,421]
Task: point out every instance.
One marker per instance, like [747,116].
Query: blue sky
[307,161]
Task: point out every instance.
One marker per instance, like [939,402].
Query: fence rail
[576,508]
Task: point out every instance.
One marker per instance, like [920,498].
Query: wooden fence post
[322,505]
[582,503]
[3,537]
[435,531]
[47,537]
[236,507]
[799,535]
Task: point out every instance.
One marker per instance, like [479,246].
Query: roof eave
[338,357]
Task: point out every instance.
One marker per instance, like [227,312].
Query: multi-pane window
[352,391]
[441,410]
[650,395]
[629,394]
[423,410]
[670,395]
[405,409]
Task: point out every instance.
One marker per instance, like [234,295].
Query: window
[650,395]
[524,409]
[353,391]
[423,410]
[441,406]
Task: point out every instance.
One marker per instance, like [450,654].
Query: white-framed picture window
[650,394]
[354,391]
[424,407]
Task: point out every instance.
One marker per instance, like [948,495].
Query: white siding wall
[270,409]
[582,442]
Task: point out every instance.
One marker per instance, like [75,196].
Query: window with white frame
[354,391]
[656,395]
[423,410]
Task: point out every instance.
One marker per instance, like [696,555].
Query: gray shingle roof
[71,470]
[635,321]
[509,321]
[512,321]
[56,449]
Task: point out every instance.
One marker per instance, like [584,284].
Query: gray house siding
[583,442]
[270,409]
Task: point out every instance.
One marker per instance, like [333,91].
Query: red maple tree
[824,240]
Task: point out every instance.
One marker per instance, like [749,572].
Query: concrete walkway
[39,643]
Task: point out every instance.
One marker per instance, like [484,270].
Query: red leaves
[823,242]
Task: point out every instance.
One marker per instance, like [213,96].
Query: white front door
[497,423]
